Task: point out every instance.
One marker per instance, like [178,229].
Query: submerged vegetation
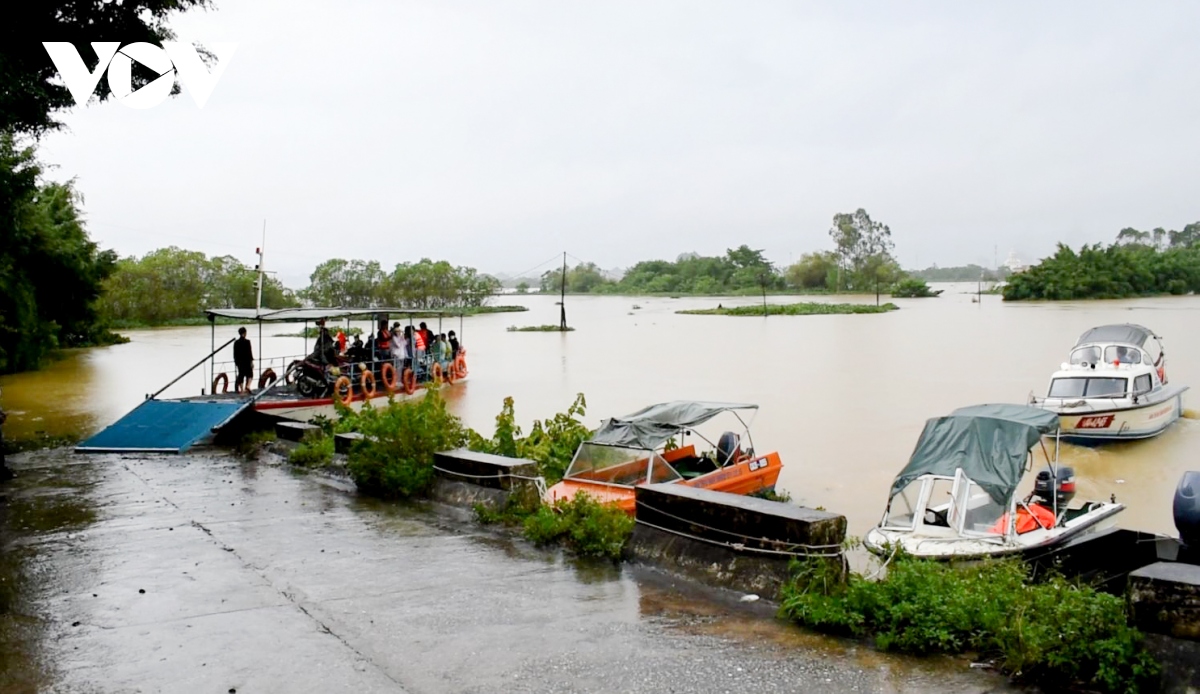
[913,288]
[1056,632]
[1139,263]
[801,309]
[539,329]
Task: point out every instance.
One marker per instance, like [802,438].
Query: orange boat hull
[745,477]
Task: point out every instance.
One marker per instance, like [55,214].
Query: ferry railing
[422,368]
[190,369]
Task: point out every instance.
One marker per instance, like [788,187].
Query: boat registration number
[1099,421]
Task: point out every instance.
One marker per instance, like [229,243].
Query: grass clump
[801,309]
[551,443]
[251,444]
[395,458]
[539,329]
[315,451]
[585,526]
[780,495]
[1057,633]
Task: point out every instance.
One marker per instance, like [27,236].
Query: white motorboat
[957,497]
[1113,387]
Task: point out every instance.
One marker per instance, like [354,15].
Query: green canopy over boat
[989,442]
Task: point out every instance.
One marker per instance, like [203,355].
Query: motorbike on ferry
[312,378]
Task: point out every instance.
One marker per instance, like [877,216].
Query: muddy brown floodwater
[843,398]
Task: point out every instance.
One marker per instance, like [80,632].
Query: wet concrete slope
[209,573]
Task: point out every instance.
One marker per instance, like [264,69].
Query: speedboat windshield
[618,465]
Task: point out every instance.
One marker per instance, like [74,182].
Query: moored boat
[957,496]
[1113,387]
[650,446]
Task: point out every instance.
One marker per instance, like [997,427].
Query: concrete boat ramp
[211,573]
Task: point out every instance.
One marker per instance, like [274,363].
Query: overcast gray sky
[495,134]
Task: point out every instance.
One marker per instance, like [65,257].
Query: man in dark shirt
[453,346]
[243,359]
[324,351]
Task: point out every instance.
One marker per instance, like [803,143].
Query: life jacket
[1027,520]
[341,338]
[419,340]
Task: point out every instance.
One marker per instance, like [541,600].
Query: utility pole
[562,325]
[260,268]
[762,279]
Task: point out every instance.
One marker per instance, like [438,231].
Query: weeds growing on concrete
[585,526]
[315,451]
[1056,632]
[251,444]
[551,443]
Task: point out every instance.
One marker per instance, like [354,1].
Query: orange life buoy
[435,374]
[338,385]
[224,381]
[367,381]
[388,374]
[460,366]
[408,381]
[267,378]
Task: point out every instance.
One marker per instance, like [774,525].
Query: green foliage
[960,273]
[423,285]
[801,309]
[913,288]
[33,91]
[172,284]
[395,458]
[1139,264]
[551,443]
[538,329]
[315,450]
[50,271]
[586,526]
[813,271]
[863,248]
[779,495]
[582,279]
[740,270]
[1056,633]
[250,445]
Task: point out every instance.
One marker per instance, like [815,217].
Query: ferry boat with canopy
[651,446]
[302,386]
[957,496]
[1113,387]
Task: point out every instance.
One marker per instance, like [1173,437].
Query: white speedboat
[957,497]
[1113,387]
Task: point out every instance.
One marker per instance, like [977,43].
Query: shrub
[252,443]
[586,526]
[1056,632]
[395,459]
[315,450]
[551,443]
[913,288]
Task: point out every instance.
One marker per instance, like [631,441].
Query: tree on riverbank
[172,284]
[1139,263]
[423,285]
[50,271]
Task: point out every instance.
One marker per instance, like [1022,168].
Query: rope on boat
[895,551]
[539,481]
[739,535]
[739,547]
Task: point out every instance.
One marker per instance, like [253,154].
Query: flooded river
[843,398]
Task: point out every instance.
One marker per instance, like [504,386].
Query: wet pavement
[212,573]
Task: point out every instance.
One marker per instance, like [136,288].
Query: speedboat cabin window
[1086,355]
[901,513]
[619,465]
[1087,387]
[1142,384]
[1122,355]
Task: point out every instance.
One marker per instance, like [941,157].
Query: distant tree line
[960,273]
[175,285]
[1139,263]
[422,285]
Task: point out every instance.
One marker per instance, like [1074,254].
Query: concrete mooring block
[466,478]
[342,443]
[1164,598]
[293,431]
[728,540]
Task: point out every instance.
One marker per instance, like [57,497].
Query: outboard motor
[1187,509]
[728,449]
[1055,490]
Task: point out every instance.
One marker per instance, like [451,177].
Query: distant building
[1014,263]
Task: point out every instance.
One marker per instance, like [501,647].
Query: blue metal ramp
[164,426]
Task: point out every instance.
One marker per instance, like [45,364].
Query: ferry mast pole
[562,323]
[258,301]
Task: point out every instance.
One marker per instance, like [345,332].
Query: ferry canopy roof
[1128,334]
[650,427]
[989,442]
[310,314]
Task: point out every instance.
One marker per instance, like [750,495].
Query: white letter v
[74,73]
